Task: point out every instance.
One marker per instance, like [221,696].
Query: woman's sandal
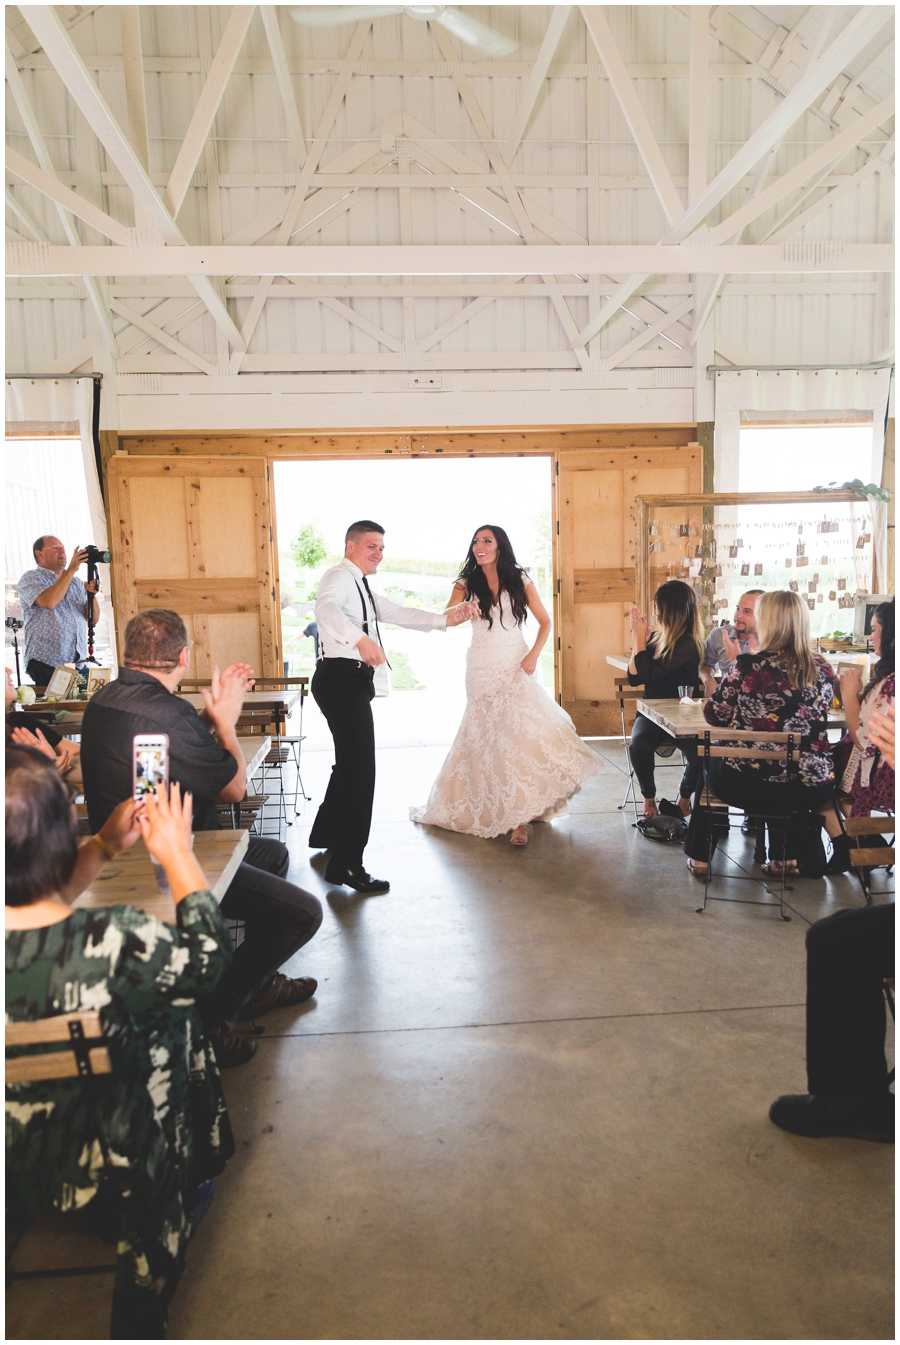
[519,839]
[700,871]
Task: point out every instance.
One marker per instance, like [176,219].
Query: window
[45,493]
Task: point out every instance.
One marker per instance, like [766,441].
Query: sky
[429,508]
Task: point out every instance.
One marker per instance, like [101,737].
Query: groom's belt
[345,663]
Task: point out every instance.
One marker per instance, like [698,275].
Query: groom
[350,649]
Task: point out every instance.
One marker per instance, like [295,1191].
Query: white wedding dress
[516,757]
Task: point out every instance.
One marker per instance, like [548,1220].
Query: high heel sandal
[519,840]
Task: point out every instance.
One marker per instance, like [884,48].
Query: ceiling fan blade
[325,16]
[474,33]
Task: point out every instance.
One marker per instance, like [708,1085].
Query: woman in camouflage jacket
[161,1112]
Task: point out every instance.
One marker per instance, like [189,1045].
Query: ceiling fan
[467,29]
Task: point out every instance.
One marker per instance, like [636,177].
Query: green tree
[308,547]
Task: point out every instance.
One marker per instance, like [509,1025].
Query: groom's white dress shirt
[339,612]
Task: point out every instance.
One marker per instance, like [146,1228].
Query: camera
[97,557]
[13,623]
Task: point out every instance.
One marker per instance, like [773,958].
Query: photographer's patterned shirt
[53,634]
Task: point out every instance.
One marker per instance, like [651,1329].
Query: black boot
[840,858]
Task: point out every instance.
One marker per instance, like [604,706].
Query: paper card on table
[62,681]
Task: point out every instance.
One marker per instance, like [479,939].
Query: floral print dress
[868,778]
[161,1110]
[757,694]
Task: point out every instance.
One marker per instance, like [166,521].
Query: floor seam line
[531,1022]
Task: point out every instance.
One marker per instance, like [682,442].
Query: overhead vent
[676,376]
[818,256]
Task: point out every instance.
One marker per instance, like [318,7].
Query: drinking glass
[686,691]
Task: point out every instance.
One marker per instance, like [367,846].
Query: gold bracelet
[110,854]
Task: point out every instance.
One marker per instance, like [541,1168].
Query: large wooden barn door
[597,489]
[197,535]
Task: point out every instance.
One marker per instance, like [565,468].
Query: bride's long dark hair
[510,576]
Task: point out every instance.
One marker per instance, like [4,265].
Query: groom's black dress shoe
[805,1114]
[358,878]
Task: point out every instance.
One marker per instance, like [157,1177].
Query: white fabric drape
[50,406]
[817,392]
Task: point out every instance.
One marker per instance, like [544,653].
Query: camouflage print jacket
[162,1110]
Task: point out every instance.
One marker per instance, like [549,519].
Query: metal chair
[865,858]
[288,745]
[625,693]
[783,747]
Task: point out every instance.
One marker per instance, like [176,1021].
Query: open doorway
[429,510]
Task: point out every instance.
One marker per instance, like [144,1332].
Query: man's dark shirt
[137,703]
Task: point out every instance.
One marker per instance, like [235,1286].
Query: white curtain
[37,407]
[820,394]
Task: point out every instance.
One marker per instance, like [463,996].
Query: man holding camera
[54,605]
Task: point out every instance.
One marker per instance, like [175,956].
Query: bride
[516,757]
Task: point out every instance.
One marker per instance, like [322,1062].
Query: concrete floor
[530,1100]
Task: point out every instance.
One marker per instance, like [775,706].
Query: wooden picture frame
[645,504]
[62,681]
[97,678]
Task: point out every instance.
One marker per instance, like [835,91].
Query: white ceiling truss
[218,190]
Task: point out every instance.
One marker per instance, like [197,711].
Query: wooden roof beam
[207,107]
[859,32]
[634,114]
[815,163]
[269,14]
[558,18]
[455,260]
[59,47]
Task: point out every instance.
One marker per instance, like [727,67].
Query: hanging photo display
[765,547]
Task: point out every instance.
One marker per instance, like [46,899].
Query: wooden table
[255,750]
[129,880]
[253,700]
[687,721]
[620,661]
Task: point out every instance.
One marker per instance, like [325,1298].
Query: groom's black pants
[343,690]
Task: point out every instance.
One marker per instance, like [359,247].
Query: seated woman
[781,687]
[161,1111]
[28,730]
[867,778]
[664,662]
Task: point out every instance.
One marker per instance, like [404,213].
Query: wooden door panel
[234,639]
[597,491]
[159,528]
[196,536]
[227,526]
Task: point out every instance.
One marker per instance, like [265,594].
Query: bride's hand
[529,664]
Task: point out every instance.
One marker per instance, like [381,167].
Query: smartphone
[151,763]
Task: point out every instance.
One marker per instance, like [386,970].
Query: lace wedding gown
[516,757]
